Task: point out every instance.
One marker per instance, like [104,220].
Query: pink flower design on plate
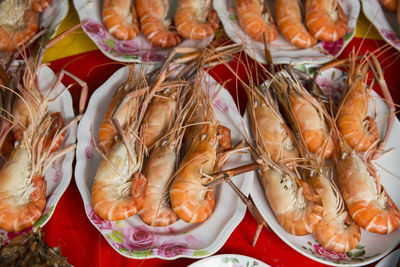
[57,176]
[88,152]
[334,256]
[390,35]
[330,87]
[333,48]
[95,29]
[137,238]
[173,249]
[100,222]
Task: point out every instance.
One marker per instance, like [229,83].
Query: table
[69,227]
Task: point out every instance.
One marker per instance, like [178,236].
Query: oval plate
[383,20]
[59,174]
[372,246]
[131,237]
[228,260]
[136,50]
[282,51]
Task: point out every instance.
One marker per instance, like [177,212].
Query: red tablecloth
[83,245]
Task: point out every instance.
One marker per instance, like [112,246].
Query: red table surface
[83,245]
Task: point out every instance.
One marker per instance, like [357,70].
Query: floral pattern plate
[372,246]
[131,237]
[58,175]
[383,20]
[228,260]
[281,50]
[136,50]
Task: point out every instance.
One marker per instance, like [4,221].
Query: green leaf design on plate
[200,253]
[355,253]
[117,236]
[234,260]
[124,250]
[109,42]
[232,17]
[141,253]
[301,67]
[43,218]
[360,246]
[129,56]
[225,260]
[348,36]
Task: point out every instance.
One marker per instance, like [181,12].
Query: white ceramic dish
[131,237]
[228,260]
[136,50]
[52,16]
[281,50]
[383,20]
[372,246]
[58,175]
[390,260]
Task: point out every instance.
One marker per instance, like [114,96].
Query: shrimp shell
[326,20]
[254,22]
[288,18]
[372,210]
[192,201]
[390,5]
[296,214]
[195,19]
[120,19]
[40,5]
[154,23]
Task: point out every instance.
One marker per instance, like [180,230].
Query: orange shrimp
[368,203]
[256,20]
[158,116]
[154,23]
[288,18]
[160,167]
[286,195]
[336,230]
[268,126]
[194,19]
[120,19]
[357,129]
[18,24]
[390,5]
[40,5]
[326,20]
[307,115]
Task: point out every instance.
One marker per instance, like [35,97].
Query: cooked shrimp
[285,193]
[40,5]
[307,115]
[326,20]
[155,24]
[256,20]
[367,201]
[120,19]
[390,5]
[288,18]
[268,127]
[18,24]
[194,19]
[159,115]
[336,230]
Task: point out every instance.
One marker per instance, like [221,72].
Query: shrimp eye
[203,136]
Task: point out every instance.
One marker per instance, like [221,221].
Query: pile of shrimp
[324,20]
[19,22]
[316,157]
[160,140]
[38,137]
[194,19]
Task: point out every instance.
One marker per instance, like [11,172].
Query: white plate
[131,237]
[52,16]
[136,50]
[58,175]
[228,260]
[390,260]
[281,50]
[372,246]
[383,20]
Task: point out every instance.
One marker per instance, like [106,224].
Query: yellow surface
[75,43]
[78,42]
